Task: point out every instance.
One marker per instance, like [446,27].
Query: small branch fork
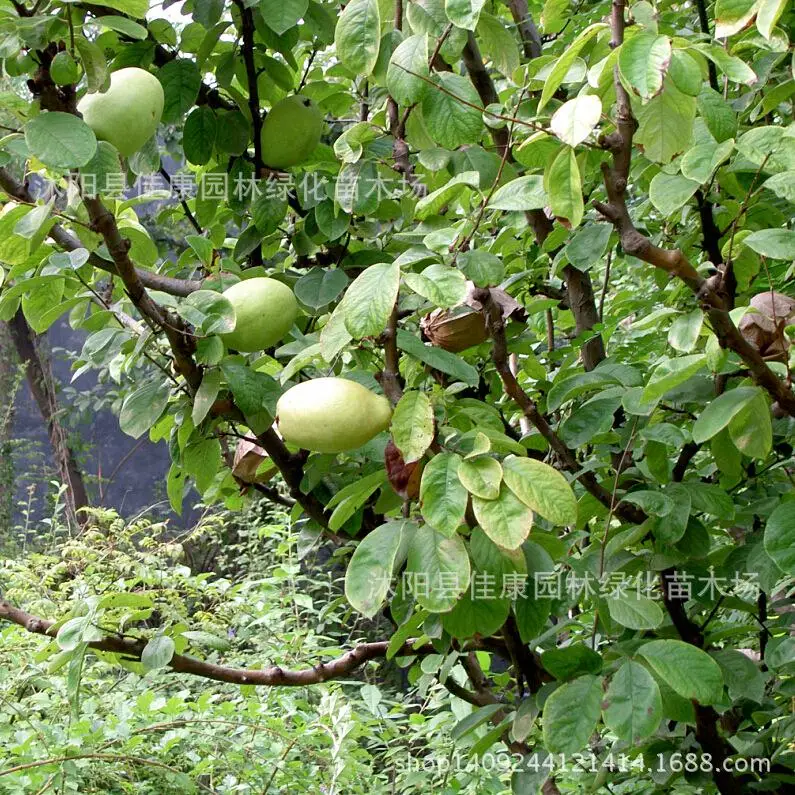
[568,459]
[709,292]
[272,676]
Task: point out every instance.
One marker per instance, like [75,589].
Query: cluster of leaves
[141,733]
[527,454]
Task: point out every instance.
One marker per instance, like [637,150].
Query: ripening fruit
[128,113]
[331,415]
[265,310]
[290,132]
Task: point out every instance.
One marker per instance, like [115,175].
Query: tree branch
[568,459]
[272,676]
[709,293]
[528,32]
[389,377]
[247,32]
[68,242]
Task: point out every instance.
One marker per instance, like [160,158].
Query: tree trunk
[42,385]
[586,315]
[8,387]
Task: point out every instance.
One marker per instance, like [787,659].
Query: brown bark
[42,386]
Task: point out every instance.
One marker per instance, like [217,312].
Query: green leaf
[541,488]
[412,425]
[773,243]
[437,569]
[198,135]
[70,633]
[253,391]
[464,13]
[442,285]
[443,498]
[350,498]
[481,477]
[205,395]
[672,373]
[700,161]
[669,192]
[409,59]
[635,612]
[571,661]
[688,670]
[31,223]
[60,140]
[731,16]
[320,287]
[103,172]
[373,563]
[124,25]
[282,15]
[481,267]
[564,63]
[438,359]
[451,122]
[181,81]
[202,459]
[567,389]
[370,299]
[779,538]
[751,429]
[633,704]
[768,14]
[520,194]
[720,411]
[576,119]
[733,67]
[565,187]
[432,203]
[476,615]
[207,640]
[643,61]
[665,124]
[157,653]
[133,8]
[685,331]
[476,718]
[142,409]
[570,715]
[719,116]
[685,73]
[357,36]
[94,64]
[506,520]
[497,43]
[209,311]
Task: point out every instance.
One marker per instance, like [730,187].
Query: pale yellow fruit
[331,415]
[290,132]
[128,113]
[265,311]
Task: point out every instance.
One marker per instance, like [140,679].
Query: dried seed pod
[248,458]
[454,329]
[764,329]
[464,326]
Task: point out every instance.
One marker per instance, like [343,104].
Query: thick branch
[389,377]
[68,242]
[271,676]
[531,38]
[292,470]
[712,301]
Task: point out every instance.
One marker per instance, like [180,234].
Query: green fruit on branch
[331,415]
[265,310]
[290,132]
[128,113]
